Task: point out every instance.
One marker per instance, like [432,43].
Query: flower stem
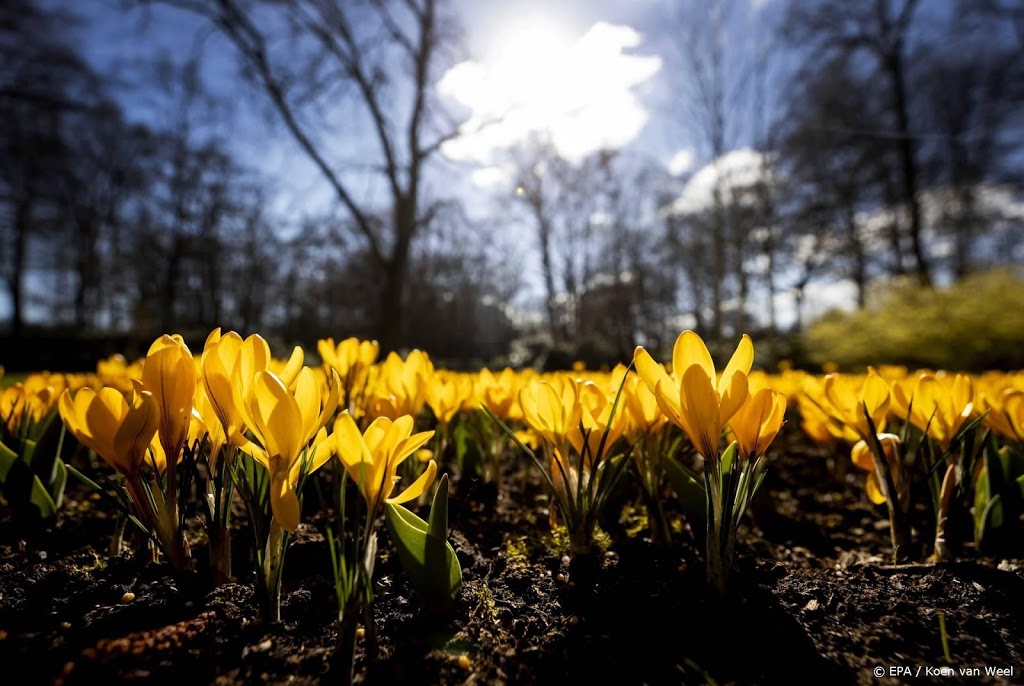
[345,648]
[942,551]
[273,564]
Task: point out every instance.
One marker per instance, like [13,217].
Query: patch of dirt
[816,600]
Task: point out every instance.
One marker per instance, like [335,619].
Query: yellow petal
[319,451]
[749,421]
[875,395]
[135,433]
[253,357]
[217,363]
[874,491]
[333,397]
[67,405]
[899,400]
[741,361]
[375,435]
[410,445]
[397,433]
[733,396]
[279,421]
[962,394]
[417,487]
[283,502]
[690,350]
[328,351]
[212,339]
[650,371]
[307,397]
[667,396]
[169,374]
[700,407]
[348,442]
[246,446]
[861,456]
[293,367]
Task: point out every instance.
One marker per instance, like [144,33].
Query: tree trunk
[860,266]
[15,282]
[86,268]
[544,236]
[908,164]
[392,302]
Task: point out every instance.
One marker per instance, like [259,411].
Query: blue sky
[592,72]
[118,41]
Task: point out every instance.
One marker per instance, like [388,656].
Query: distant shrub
[974,325]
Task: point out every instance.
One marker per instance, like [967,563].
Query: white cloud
[681,162]
[489,177]
[734,170]
[578,95]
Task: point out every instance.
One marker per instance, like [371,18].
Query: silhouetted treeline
[854,142]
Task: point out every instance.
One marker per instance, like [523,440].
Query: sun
[529,64]
[537,79]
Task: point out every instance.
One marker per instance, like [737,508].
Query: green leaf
[460,435]
[438,523]
[428,558]
[7,458]
[60,480]
[990,519]
[998,496]
[48,449]
[729,457]
[689,489]
[23,489]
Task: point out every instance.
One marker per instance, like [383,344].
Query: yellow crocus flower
[939,408]
[349,357]
[445,396]
[758,421]
[169,373]
[1005,415]
[552,412]
[498,393]
[116,428]
[642,411]
[206,424]
[862,456]
[285,424]
[595,416]
[851,407]
[693,397]
[813,419]
[228,367]
[400,386]
[372,458]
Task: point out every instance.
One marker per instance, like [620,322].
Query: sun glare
[575,91]
[528,65]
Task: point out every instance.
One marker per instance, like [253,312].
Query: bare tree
[42,81]
[715,69]
[381,57]
[970,97]
[879,32]
[595,222]
[833,162]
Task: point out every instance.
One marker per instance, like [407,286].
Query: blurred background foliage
[271,177]
[973,325]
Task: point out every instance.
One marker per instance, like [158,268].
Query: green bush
[974,325]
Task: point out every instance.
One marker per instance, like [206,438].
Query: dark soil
[816,600]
